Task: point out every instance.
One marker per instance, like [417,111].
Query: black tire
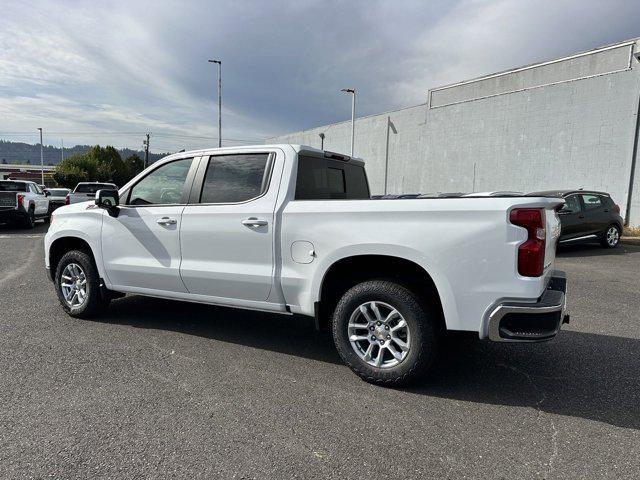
[29,219]
[95,302]
[422,325]
[609,239]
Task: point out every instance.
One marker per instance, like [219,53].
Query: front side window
[235,178]
[572,204]
[163,186]
[591,202]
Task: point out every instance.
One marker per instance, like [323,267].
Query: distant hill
[18,152]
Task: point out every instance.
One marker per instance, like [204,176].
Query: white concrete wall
[571,134]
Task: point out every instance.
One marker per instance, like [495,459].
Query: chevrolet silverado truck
[23,202]
[293,230]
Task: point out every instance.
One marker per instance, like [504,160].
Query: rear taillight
[616,208]
[20,201]
[531,252]
[67,200]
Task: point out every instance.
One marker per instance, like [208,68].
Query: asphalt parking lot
[165,389]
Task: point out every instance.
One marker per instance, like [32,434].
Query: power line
[133,134]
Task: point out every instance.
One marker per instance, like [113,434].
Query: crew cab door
[141,246]
[41,202]
[227,230]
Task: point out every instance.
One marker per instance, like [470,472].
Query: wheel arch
[347,271]
[62,245]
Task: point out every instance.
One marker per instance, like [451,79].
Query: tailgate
[8,200]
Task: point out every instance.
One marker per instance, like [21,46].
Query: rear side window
[592,202]
[235,178]
[328,179]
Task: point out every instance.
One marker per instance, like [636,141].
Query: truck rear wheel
[78,285]
[29,220]
[384,333]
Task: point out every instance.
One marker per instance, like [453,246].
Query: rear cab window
[321,178]
[92,187]
[13,187]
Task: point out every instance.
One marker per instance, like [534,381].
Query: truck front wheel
[78,285]
[384,333]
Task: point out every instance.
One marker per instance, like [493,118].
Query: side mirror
[47,193]
[108,199]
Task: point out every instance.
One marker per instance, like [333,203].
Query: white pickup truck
[23,202]
[292,229]
[86,191]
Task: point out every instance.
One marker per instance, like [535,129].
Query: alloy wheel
[612,236]
[73,283]
[379,334]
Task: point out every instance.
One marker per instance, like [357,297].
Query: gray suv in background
[588,216]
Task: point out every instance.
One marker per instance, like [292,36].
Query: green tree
[99,164]
[111,168]
[74,169]
[134,165]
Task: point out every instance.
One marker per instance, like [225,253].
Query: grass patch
[631,232]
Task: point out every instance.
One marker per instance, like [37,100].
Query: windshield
[58,192]
[13,187]
[92,187]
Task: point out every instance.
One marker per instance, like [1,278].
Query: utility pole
[390,127]
[41,158]
[219,62]
[352,91]
[62,151]
[321,141]
[145,143]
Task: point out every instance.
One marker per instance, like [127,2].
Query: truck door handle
[166,221]
[254,222]
[581,216]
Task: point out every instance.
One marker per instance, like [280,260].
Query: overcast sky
[127,67]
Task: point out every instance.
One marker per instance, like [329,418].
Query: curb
[630,240]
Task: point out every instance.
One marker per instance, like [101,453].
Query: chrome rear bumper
[532,322]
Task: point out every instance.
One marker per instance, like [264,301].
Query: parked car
[588,216]
[86,191]
[57,197]
[22,202]
[292,230]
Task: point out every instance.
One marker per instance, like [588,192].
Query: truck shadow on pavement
[578,374]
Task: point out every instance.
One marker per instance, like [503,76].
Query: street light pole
[219,62]
[352,91]
[41,158]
